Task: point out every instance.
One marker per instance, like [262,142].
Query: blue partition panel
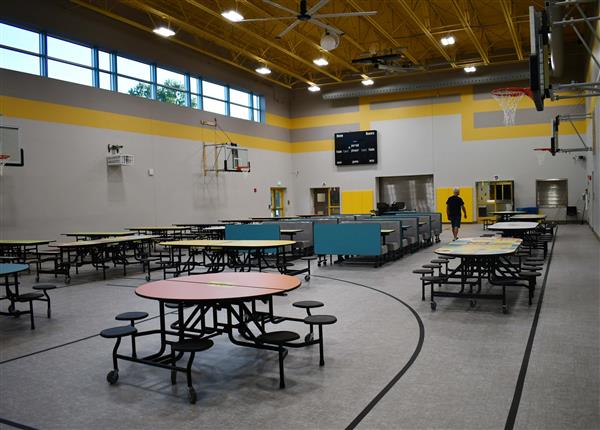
[348,239]
[252,232]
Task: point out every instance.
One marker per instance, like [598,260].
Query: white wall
[434,145]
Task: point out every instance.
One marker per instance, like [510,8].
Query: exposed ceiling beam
[467,27]
[383,32]
[179,42]
[240,26]
[507,11]
[413,16]
[306,39]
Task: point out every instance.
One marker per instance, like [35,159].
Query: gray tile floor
[463,377]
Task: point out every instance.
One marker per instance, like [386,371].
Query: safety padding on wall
[357,202]
[466,193]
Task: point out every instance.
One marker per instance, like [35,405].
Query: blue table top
[10,268]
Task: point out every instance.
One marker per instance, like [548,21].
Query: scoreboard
[356,147]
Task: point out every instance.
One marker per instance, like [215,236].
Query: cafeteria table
[505,215]
[234,305]
[481,258]
[528,217]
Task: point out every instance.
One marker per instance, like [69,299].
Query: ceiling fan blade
[316,7]
[274,18]
[277,5]
[343,14]
[288,29]
[326,27]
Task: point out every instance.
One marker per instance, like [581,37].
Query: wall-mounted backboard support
[539,58]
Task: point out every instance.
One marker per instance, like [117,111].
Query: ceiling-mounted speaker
[330,41]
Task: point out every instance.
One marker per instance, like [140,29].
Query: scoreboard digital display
[356,147]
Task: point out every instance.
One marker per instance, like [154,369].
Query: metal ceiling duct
[430,81]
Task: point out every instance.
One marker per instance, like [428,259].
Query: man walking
[454,206]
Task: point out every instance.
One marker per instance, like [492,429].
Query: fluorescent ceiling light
[448,40]
[232,16]
[367,82]
[321,61]
[313,88]
[164,31]
[263,70]
[470,69]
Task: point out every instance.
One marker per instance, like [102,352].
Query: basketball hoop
[541,154]
[508,99]
[3,160]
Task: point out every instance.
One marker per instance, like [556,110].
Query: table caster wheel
[192,395]
[433,306]
[11,308]
[148,278]
[67,281]
[308,337]
[318,264]
[112,377]
[473,303]
[307,278]
[504,309]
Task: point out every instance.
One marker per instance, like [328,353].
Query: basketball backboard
[554,138]
[539,58]
[10,145]
[225,157]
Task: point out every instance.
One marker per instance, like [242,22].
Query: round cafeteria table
[515,228]
[528,217]
[7,270]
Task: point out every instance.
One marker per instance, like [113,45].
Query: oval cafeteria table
[528,217]
[219,304]
[6,271]
[480,258]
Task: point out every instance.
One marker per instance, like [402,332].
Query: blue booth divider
[348,239]
[252,232]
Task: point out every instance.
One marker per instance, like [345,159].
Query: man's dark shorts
[455,221]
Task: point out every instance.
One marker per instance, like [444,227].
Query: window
[213,98]
[45,55]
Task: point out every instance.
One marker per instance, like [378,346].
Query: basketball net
[508,99]
[3,160]
[541,154]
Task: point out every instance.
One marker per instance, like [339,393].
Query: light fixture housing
[470,69]
[314,88]
[329,41]
[449,40]
[367,82]
[263,70]
[232,16]
[320,61]
[164,31]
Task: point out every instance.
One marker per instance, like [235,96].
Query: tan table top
[107,241]
[386,231]
[480,246]
[99,233]
[513,225]
[158,228]
[24,242]
[228,243]
[290,230]
[528,217]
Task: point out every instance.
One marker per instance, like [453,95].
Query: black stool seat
[320,319]
[423,271]
[131,316]
[28,297]
[432,266]
[44,287]
[434,278]
[447,257]
[535,258]
[531,268]
[192,345]
[507,282]
[175,305]
[120,331]
[308,304]
[534,263]
[309,258]
[278,337]
[439,261]
[529,274]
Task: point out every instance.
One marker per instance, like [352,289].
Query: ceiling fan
[389,62]
[308,15]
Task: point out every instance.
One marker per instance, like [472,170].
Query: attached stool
[434,266]
[132,317]
[441,261]
[423,272]
[29,298]
[192,346]
[44,289]
[320,320]
[279,338]
[308,305]
[431,281]
[116,333]
[308,259]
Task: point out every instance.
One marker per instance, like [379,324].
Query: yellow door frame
[281,192]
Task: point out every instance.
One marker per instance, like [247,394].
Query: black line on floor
[71,342]
[402,371]
[16,425]
[514,406]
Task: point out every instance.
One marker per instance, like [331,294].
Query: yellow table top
[157,228]
[24,242]
[387,230]
[228,243]
[99,233]
[107,241]
[290,230]
[480,246]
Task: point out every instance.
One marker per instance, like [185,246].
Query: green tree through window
[173,92]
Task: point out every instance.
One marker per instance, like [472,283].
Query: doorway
[326,201]
[494,196]
[277,202]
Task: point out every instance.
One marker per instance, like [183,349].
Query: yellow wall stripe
[51,112]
